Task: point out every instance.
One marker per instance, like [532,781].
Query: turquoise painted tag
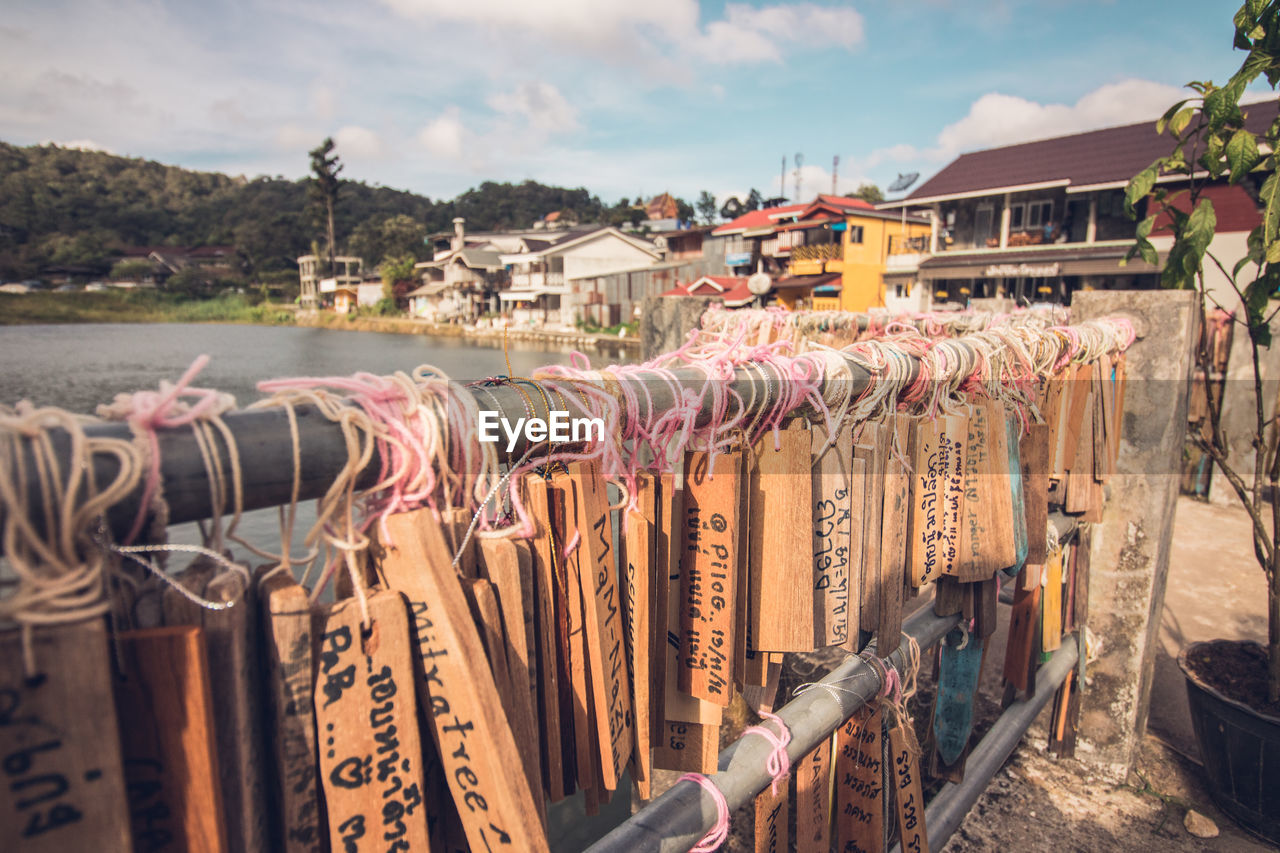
[1013,440]
[957,686]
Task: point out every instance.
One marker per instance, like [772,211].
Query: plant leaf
[1242,154]
[1138,189]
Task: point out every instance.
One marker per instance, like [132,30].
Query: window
[1039,213]
[1016,213]
[855,233]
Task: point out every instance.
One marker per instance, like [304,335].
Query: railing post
[1130,552]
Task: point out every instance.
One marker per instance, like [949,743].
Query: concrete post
[1004,223]
[1239,415]
[665,322]
[1130,551]
[933,230]
[1091,230]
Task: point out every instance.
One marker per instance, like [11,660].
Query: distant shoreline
[151,307]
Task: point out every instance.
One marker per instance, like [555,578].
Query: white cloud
[323,102]
[359,142]
[79,145]
[540,105]
[443,135]
[997,119]
[618,30]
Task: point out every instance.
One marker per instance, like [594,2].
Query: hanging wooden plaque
[772,817]
[1034,450]
[986,515]
[601,604]
[896,521]
[708,576]
[781,542]
[857,555]
[937,491]
[746,668]
[61,772]
[904,770]
[638,542]
[959,669]
[484,610]
[471,734]
[667,543]
[162,694]
[500,568]
[366,720]
[1017,496]
[231,636]
[832,519]
[565,517]
[1051,621]
[687,747]
[1022,628]
[550,659]
[859,782]
[813,805]
[290,716]
[871,450]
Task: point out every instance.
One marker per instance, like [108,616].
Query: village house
[316,291]
[1040,220]
[549,277]
[461,282]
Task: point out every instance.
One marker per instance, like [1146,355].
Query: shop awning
[805,282]
[520,295]
[1036,263]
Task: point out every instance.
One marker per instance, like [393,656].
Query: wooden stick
[565,515]
[291,723]
[896,519]
[832,519]
[63,779]
[167,742]
[471,733]
[638,541]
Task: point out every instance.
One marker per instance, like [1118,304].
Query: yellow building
[839,263]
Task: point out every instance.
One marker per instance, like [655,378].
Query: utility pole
[782,178]
[835,172]
[799,161]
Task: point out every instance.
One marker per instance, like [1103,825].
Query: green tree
[706,205]
[325,167]
[132,269]
[754,199]
[732,208]
[869,192]
[684,210]
[1210,143]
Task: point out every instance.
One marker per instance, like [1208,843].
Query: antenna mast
[782,178]
[799,161]
[835,172]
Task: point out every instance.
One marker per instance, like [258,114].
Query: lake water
[77,367]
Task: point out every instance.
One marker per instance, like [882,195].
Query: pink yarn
[778,763]
[719,832]
[147,411]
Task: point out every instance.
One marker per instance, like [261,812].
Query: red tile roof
[731,288]
[1082,159]
[768,216]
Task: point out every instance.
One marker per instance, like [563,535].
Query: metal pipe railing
[675,821]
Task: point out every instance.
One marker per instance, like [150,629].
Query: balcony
[820,252]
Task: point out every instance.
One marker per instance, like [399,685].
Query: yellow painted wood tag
[367,724]
[708,576]
[813,804]
[832,487]
[167,740]
[781,542]
[859,783]
[470,731]
[60,768]
[986,513]
[291,722]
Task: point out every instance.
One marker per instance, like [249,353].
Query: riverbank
[149,306]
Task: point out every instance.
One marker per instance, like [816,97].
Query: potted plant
[1233,687]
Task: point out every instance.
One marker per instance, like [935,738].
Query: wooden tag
[565,517]
[1118,372]
[177,608]
[1017,499]
[1034,450]
[1051,634]
[959,669]
[857,557]
[603,622]
[231,637]
[167,740]
[552,665]
[500,566]
[813,810]
[771,820]
[688,747]
[638,538]
[366,719]
[290,714]
[667,542]
[781,543]
[872,451]
[744,658]
[1080,478]
[484,610]
[471,733]
[986,515]
[937,483]
[708,576]
[1022,627]
[61,772]
[896,521]
[948,595]
[905,771]
[761,698]
[832,519]
[859,782]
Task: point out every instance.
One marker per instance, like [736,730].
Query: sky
[624,97]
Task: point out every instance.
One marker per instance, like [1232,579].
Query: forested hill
[66,207]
